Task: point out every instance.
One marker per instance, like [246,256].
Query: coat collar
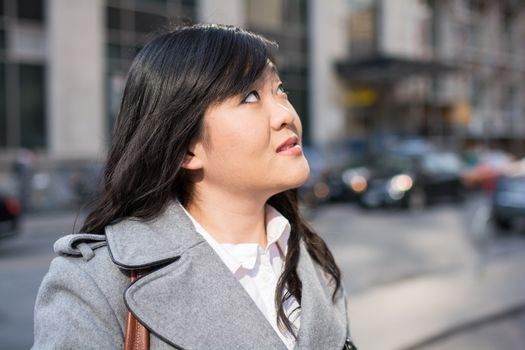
[137,244]
[203,318]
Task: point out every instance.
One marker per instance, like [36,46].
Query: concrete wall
[221,12]
[402,28]
[76,118]
[328,43]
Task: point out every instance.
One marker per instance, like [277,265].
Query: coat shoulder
[90,254]
[92,259]
[81,296]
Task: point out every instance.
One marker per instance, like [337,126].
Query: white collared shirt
[259,269]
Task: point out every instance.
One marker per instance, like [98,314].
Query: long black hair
[171,83]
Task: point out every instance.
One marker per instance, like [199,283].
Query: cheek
[240,137]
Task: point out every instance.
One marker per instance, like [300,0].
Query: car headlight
[401,183]
[321,190]
[358,184]
[356,180]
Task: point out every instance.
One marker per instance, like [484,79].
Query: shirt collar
[277,228]
[245,255]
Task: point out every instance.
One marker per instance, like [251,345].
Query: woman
[197,194]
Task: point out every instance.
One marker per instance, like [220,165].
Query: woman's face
[252,143]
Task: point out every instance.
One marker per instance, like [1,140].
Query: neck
[230,217]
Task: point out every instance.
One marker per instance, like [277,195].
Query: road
[374,249]
[391,257]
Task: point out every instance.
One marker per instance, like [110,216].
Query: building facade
[63,63]
[486,40]
[451,70]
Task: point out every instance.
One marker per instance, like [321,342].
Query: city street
[415,104]
[378,252]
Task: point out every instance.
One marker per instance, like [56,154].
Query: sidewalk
[59,222]
[403,315]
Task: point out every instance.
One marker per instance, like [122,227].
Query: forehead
[270,74]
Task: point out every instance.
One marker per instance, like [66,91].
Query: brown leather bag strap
[137,336]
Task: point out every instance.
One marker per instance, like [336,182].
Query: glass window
[187,15]
[31,105]
[2,39]
[295,12]
[476,92]
[112,18]
[188,3]
[147,22]
[113,51]
[126,18]
[3,114]
[150,2]
[359,5]
[128,52]
[31,9]
[264,14]
[476,6]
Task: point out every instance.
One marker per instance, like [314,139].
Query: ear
[192,160]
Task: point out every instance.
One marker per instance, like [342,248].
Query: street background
[413,116]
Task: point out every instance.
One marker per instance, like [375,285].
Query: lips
[289,143]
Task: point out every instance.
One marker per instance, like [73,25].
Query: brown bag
[137,336]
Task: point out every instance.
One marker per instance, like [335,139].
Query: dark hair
[171,83]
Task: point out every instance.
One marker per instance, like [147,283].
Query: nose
[283,114]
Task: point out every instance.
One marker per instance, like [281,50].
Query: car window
[513,183]
[441,163]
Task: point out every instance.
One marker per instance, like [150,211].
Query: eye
[252,97]
[281,90]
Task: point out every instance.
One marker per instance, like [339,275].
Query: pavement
[439,305]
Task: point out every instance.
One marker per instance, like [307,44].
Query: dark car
[10,210]
[508,201]
[409,181]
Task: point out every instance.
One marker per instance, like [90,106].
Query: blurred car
[412,147]
[406,181]
[10,211]
[488,165]
[508,200]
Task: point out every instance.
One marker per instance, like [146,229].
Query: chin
[296,176]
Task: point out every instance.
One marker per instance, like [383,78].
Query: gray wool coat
[190,300]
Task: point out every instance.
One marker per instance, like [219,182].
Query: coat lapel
[217,314]
[192,301]
[323,323]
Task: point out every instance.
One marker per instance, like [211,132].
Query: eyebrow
[274,75]
[273,69]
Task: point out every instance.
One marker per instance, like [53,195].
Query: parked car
[406,181]
[508,199]
[10,211]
